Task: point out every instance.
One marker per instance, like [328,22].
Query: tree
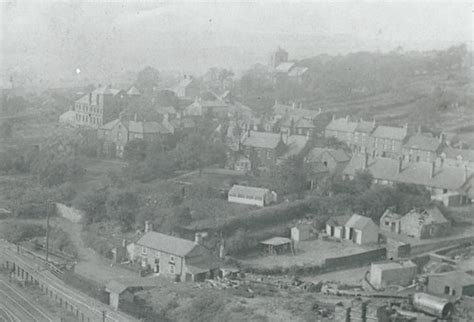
[135,150]
[148,80]
[121,206]
[93,203]
[53,170]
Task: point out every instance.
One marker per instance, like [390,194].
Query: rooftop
[338,220]
[297,71]
[339,155]
[248,191]
[284,67]
[428,215]
[455,277]
[390,132]
[445,177]
[276,241]
[166,243]
[423,141]
[394,264]
[359,222]
[119,285]
[261,139]
[342,125]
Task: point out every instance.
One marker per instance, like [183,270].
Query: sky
[55,40]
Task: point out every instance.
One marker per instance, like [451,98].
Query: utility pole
[104,315]
[48,210]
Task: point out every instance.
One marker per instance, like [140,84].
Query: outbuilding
[361,230]
[302,231]
[277,245]
[251,195]
[425,223]
[390,221]
[453,283]
[335,226]
[123,289]
[383,274]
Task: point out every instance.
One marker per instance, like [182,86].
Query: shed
[301,231]
[390,221]
[453,283]
[383,274]
[276,245]
[122,289]
[251,195]
[335,226]
[361,230]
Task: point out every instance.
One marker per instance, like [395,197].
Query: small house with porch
[390,221]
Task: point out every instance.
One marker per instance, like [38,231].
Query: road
[14,306]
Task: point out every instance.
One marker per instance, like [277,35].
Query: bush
[18,232]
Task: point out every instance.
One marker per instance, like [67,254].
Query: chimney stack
[293,105]
[333,117]
[433,168]
[419,129]
[347,118]
[148,226]
[124,243]
[465,173]
[197,238]
[441,137]
[400,164]
[121,116]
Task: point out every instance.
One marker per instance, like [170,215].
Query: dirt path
[91,264]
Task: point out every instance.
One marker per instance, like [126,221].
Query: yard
[312,252]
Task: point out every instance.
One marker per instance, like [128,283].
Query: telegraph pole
[48,210]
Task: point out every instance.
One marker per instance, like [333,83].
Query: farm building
[390,221]
[335,226]
[361,230]
[452,283]
[425,223]
[123,289]
[383,274]
[251,195]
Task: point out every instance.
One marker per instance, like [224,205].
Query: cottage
[251,195]
[342,129]
[390,221]
[422,147]
[116,134]
[388,140]
[262,148]
[174,257]
[302,231]
[454,182]
[453,157]
[201,107]
[361,230]
[187,88]
[363,140]
[334,159]
[453,283]
[400,273]
[295,120]
[335,226]
[425,223]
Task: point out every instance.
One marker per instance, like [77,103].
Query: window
[446,290]
[387,223]
[172,269]
[172,260]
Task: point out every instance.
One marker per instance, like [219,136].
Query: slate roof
[166,243]
[342,125]
[365,126]
[105,90]
[315,154]
[451,178]
[133,91]
[421,141]
[185,82]
[390,132]
[166,110]
[261,139]
[284,67]
[248,191]
[281,109]
[458,154]
[338,220]
[389,214]
[296,144]
[359,222]
[147,127]
[428,215]
[118,285]
[297,71]
[110,125]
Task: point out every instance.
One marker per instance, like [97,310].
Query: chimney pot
[400,164]
[148,226]
[366,160]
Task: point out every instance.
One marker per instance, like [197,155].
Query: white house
[251,195]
